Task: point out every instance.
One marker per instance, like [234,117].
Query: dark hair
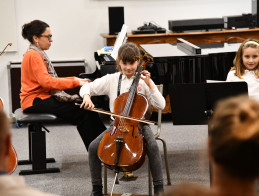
[128,53]
[35,27]
[234,136]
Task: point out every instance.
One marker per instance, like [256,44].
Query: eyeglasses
[47,36]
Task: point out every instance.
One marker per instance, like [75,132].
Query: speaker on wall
[255,10]
[116,19]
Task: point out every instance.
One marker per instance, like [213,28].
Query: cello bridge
[122,129]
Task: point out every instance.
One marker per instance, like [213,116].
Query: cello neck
[132,92]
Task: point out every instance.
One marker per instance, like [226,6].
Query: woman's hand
[83,81]
[147,79]
[87,102]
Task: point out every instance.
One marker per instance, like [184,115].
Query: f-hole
[133,131]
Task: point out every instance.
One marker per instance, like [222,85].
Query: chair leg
[105,180]
[149,181]
[37,152]
[31,128]
[29,161]
[105,189]
[166,161]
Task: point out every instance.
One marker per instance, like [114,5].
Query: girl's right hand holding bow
[87,102]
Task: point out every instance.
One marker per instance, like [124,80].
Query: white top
[251,80]
[108,85]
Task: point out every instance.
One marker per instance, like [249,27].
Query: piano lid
[171,50]
[163,50]
[216,48]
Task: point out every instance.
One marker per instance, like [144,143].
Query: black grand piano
[191,63]
[175,64]
[183,62]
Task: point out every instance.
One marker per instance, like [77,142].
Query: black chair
[37,142]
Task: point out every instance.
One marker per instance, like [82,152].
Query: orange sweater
[37,82]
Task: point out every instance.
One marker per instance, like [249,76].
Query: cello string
[125,111]
[131,97]
[132,93]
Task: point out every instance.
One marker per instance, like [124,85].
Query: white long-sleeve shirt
[252,82]
[108,85]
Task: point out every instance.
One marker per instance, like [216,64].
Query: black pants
[88,123]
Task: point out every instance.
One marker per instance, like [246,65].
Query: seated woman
[42,91]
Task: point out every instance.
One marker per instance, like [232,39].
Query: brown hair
[35,27]
[128,53]
[234,136]
[238,62]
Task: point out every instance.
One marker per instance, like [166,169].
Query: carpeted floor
[186,152]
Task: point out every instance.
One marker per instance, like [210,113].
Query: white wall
[76,25]
[8,25]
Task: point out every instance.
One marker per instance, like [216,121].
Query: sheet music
[119,41]
[214,81]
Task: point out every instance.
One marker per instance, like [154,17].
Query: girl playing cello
[113,85]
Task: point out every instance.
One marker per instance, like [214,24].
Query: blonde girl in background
[246,67]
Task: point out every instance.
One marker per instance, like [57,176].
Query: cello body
[132,152]
[12,157]
[12,160]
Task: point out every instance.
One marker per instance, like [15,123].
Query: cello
[12,159]
[122,147]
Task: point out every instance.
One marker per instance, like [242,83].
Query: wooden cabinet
[193,37]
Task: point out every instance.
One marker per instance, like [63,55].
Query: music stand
[192,104]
